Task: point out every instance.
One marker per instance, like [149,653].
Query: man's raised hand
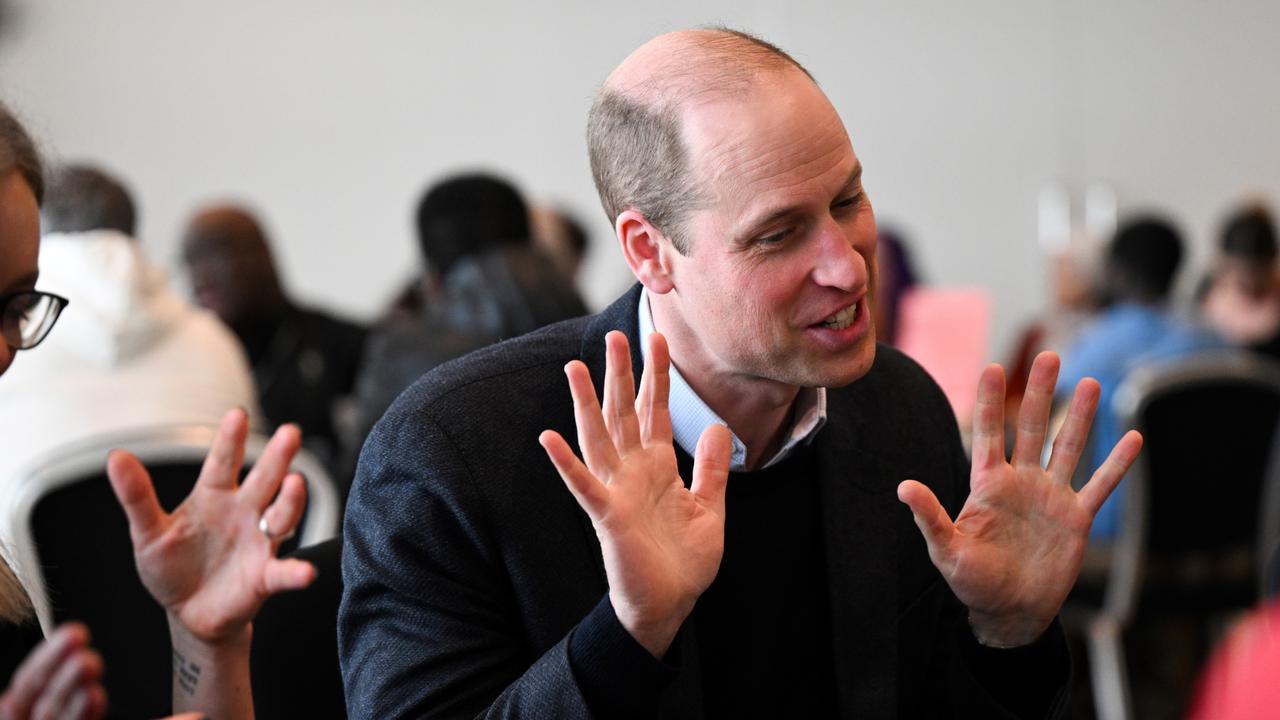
[662,542]
[1014,551]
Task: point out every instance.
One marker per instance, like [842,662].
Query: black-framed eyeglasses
[26,317]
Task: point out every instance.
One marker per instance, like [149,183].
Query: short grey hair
[638,156]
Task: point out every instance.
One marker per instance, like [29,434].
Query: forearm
[618,675]
[1029,681]
[212,679]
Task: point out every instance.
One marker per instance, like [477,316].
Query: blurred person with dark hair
[460,216]
[1137,327]
[133,355]
[483,281]
[304,361]
[1242,299]
[561,237]
[897,277]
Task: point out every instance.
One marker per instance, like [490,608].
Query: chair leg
[1107,667]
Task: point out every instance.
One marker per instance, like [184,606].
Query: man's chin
[843,371]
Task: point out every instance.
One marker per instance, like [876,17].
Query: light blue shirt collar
[690,415]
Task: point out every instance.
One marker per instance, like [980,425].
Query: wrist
[208,648]
[1005,632]
[654,631]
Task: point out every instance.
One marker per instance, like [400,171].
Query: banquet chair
[71,539]
[1194,512]
[294,662]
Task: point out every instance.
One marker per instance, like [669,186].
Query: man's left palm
[1014,551]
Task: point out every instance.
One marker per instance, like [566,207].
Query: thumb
[711,466]
[930,517]
[131,484]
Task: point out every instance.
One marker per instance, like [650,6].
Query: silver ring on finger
[265,528]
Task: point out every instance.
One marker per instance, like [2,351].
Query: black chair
[1269,532]
[295,645]
[72,541]
[1271,576]
[1190,541]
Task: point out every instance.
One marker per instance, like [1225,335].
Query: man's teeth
[842,319]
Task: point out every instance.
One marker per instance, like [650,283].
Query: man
[133,355]
[1137,328]
[304,361]
[475,585]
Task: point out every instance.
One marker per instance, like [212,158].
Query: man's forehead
[782,131]
[678,67]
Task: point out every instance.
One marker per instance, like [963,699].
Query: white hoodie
[127,353]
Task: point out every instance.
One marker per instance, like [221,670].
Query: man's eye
[849,201]
[774,239]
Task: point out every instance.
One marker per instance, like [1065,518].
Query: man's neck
[757,410]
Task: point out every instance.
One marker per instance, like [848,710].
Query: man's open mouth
[842,319]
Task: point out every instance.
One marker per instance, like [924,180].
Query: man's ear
[646,250]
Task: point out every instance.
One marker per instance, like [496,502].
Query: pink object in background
[1242,681]
[946,330]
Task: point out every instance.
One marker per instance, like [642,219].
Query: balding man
[304,360]
[787,579]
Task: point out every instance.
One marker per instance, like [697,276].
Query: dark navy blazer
[467,563]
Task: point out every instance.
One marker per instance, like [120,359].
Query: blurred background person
[897,277]
[133,355]
[1241,300]
[1137,326]
[1075,293]
[559,234]
[304,360]
[483,280]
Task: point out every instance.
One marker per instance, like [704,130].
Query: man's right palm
[662,542]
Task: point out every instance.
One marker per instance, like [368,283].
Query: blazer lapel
[620,315]
[858,501]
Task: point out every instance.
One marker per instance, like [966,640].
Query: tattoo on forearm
[186,672]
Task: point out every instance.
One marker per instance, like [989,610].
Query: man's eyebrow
[855,177]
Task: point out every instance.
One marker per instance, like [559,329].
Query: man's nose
[838,263]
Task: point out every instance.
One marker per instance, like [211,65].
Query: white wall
[330,117]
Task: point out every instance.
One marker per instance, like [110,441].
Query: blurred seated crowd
[131,352]
[136,355]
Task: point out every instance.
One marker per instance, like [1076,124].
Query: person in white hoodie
[132,355]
